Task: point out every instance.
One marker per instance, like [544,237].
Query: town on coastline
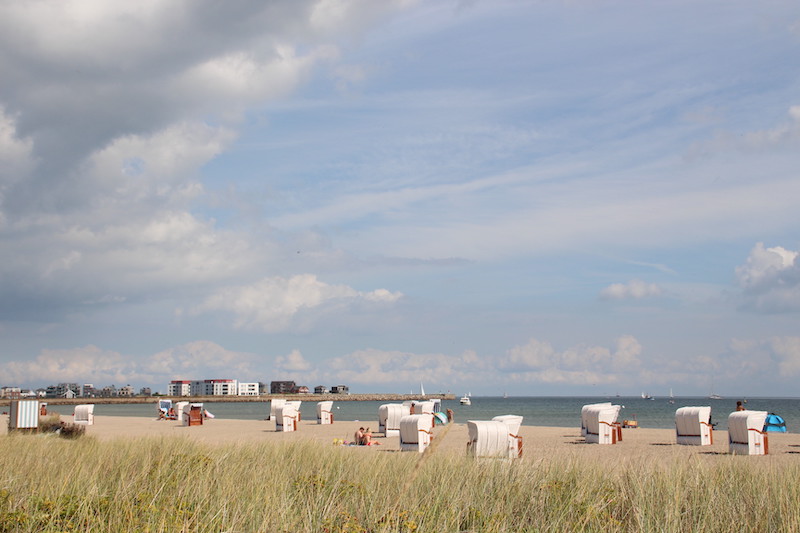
[218,390]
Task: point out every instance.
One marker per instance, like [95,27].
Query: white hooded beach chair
[487,438]
[584,415]
[693,426]
[601,424]
[83,415]
[274,405]
[286,418]
[389,415]
[296,404]
[513,423]
[164,406]
[193,415]
[23,414]
[746,435]
[324,413]
[415,432]
[424,407]
[179,409]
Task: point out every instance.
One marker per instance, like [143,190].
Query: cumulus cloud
[273,303]
[633,290]
[539,361]
[91,364]
[381,368]
[770,279]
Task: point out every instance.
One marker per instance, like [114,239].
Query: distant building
[282,387]
[302,389]
[215,387]
[12,393]
[263,388]
[320,389]
[145,391]
[109,391]
[126,391]
[340,389]
[63,390]
[87,391]
[179,387]
[248,389]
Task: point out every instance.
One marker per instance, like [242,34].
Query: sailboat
[671,397]
[421,390]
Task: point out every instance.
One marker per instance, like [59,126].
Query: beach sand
[540,443]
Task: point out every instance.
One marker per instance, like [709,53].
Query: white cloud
[273,303]
[635,289]
[90,364]
[770,278]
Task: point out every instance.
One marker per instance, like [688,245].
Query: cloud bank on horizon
[524,197]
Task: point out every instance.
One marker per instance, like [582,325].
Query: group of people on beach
[363,437]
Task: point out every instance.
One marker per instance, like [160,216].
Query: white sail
[421,389]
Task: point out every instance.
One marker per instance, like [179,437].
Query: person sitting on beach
[740,407]
[358,438]
[171,414]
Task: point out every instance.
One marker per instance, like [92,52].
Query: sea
[555,411]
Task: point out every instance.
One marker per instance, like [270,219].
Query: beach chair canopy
[389,415]
[487,438]
[585,413]
[693,426]
[84,414]
[415,428]
[274,405]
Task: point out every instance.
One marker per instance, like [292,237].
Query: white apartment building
[215,387]
[178,387]
[248,389]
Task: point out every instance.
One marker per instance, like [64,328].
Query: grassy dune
[53,484]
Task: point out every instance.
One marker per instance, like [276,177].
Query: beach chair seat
[296,404]
[746,435]
[415,432]
[487,438]
[286,419]
[193,416]
[693,426]
[514,423]
[83,415]
[389,415]
[324,412]
[601,424]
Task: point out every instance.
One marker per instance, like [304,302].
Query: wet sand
[540,443]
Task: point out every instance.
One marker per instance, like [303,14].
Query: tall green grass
[52,484]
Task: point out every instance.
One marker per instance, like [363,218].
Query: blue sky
[526,197]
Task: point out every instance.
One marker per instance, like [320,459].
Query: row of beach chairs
[746,435]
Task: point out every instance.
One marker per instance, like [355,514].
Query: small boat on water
[465,400]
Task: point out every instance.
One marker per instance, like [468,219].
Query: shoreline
[241,399]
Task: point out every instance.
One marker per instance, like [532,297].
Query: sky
[526,197]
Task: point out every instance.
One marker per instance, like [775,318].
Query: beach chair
[274,405]
[693,426]
[286,418]
[424,407]
[746,435]
[83,415]
[513,422]
[193,416]
[601,424]
[487,438]
[415,432]
[180,407]
[23,415]
[389,415]
[324,413]
[584,414]
[164,406]
[296,404]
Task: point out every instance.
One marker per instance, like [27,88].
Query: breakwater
[241,399]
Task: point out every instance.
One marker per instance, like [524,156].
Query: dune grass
[52,484]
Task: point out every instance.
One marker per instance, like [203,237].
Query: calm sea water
[537,411]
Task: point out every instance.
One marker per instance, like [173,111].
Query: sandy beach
[540,443]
